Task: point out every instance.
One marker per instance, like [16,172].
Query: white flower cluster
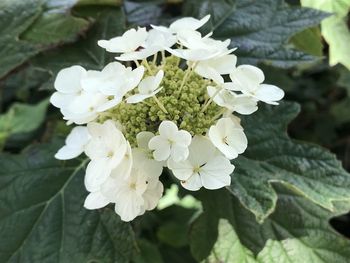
[109,102]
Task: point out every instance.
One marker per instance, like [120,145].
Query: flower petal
[95,200]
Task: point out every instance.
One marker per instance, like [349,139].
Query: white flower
[205,166]
[228,136]
[115,80]
[170,143]
[106,149]
[97,198]
[215,67]
[241,103]
[156,41]
[248,79]
[134,195]
[199,48]
[148,87]
[128,42]
[184,23]
[143,157]
[75,144]
[76,104]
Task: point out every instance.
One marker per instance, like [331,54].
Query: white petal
[129,205]
[168,129]
[61,100]
[269,94]
[78,137]
[152,195]
[181,170]
[68,79]
[188,23]
[67,153]
[95,201]
[201,150]
[194,183]
[143,138]
[183,138]
[138,98]
[216,173]
[97,172]
[179,153]
[247,77]
[109,104]
[161,148]
[228,137]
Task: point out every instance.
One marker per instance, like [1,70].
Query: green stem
[161,106]
[211,99]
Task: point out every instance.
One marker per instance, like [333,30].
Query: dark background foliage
[38,38]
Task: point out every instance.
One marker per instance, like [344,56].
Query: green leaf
[335,28]
[297,225]
[53,28]
[148,253]
[15,19]
[22,118]
[309,41]
[272,157]
[109,22]
[259,29]
[42,218]
[28,27]
[228,247]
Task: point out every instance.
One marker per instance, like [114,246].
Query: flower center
[182,107]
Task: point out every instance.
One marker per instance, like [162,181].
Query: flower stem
[161,106]
[147,66]
[137,63]
[155,56]
[187,74]
[206,105]
[219,114]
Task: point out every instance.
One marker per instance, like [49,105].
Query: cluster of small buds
[171,107]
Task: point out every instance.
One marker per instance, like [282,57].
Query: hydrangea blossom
[170,101]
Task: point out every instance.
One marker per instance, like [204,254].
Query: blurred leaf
[15,18]
[149,253]
[272,157]
[22,118]
[341,111]
[259,29]
[297,224]
[109,23]
[143,13]
[99,2]
[309,41]
[42,218]
[173,234]
[28,27]
[53,28]
[335,29]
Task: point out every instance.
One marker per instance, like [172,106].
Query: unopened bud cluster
[170,107]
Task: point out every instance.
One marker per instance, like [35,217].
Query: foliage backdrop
[284,191]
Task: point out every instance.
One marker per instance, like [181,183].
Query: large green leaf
[260,29]
[298,231]
[28,27]
[109,22]
[272,157]
[335,28]
[22,118]
[42,218]
[15,17]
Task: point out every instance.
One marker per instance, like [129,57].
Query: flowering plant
[173,103]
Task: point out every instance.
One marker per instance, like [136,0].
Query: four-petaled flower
[170,143]
[205,167]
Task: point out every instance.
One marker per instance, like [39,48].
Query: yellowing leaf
[334,29]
